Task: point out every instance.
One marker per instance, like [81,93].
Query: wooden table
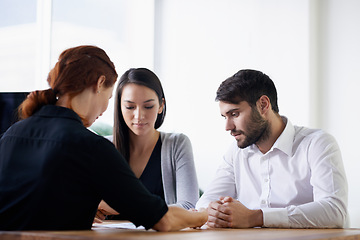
[188,234]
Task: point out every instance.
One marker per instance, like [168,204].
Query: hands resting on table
[224,213]
[230,213]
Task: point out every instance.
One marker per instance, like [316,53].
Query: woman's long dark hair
[140,76]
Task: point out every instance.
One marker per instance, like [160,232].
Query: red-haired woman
[54,171]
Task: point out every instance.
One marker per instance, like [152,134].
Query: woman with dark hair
[162,161]
[54,171]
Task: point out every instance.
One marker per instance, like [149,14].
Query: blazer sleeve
[122,190]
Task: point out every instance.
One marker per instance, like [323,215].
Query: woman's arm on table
[176,218]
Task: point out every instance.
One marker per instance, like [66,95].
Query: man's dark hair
[247,85]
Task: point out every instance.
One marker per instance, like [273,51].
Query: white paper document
[126,225]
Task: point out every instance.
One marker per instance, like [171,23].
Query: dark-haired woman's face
[140,107]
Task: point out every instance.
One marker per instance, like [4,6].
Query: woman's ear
[100,83]
[161,108]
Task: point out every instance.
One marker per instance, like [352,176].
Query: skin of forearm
[256,219]
[178,218]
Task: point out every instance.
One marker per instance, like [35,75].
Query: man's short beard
[258,129]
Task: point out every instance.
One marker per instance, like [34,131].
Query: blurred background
[310,49]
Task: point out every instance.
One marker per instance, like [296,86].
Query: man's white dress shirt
[299,183]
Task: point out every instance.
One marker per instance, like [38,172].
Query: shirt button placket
[265,182]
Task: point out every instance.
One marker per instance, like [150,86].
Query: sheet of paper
[126,225]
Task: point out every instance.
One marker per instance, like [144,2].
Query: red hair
[77,69]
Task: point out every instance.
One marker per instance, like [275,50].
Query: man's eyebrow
[230,111]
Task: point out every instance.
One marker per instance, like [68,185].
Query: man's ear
[263,104]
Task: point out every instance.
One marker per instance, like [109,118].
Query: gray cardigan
[178,170]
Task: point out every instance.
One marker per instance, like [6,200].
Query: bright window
[17,45]
[34,33]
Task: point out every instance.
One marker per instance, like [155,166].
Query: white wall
[339,66]
[309,48]
[203,42]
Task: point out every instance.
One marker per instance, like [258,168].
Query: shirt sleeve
[119,187]
[329,208]
[187,189]
[222,185]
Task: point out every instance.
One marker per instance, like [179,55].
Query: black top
[54,172]
[151,176]
[9,102]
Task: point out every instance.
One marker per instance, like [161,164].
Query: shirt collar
[284,142]
[58,112]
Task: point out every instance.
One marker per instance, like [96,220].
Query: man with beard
[276,174]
